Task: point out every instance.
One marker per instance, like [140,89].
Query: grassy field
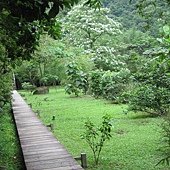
[10,153]
[136,137]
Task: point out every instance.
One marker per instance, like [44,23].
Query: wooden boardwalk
[40,149]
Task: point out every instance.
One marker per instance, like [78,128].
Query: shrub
[76,79]
[28,86]
[151,99]
[97,136]
[152,91]
[5,89]
[95,83]
[5,77]
[49,80]
[165,144]
[114,84]
[110,85]
[70,88]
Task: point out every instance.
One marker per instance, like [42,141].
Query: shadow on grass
[144,116]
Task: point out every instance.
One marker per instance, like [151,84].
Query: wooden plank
[49,164]
[44,151]
[40,149]
[33,129]
[48,156]
[34,137]
[38,140]
[75,167]
[40,145]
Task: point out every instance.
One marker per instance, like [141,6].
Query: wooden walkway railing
[40,149]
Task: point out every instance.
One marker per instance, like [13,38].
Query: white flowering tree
[106,58]
[88,28]
[93,31]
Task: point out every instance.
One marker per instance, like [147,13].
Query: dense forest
[119,51]
[102,53]
[148,16]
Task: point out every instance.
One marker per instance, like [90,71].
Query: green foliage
[5,78]
[49,79]
[48,59]
[109,85]
[152,93]
[165,148]
[114,84]
[86,28]
[27,72]
[95,82]
[97,136]
[21,24]
[165,42]
[148,98]
[22,29]
[77,79]
[10,151]
[106,59]
[5,89]
[125,12]
[94,3]
[28,86]
[47,64]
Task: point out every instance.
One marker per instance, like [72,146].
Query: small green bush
[150,99]
[49,80]
[165,144]
[97,136]
[110,85]
[76,80]
[95,83]
[114,84]
[28,86]
[152,91]
[5,89]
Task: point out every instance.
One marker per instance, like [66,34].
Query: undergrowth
[10,153]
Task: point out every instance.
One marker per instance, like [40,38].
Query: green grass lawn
[136,137]
[10,153]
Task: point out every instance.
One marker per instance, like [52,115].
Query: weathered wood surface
[40,149]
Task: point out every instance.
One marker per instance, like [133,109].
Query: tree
[5,77]
[21,23]
[152,93]
[85,27]
[125,12]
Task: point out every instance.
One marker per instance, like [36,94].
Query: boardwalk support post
[38,113]
[83,159]
[30,105]
[51,126]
